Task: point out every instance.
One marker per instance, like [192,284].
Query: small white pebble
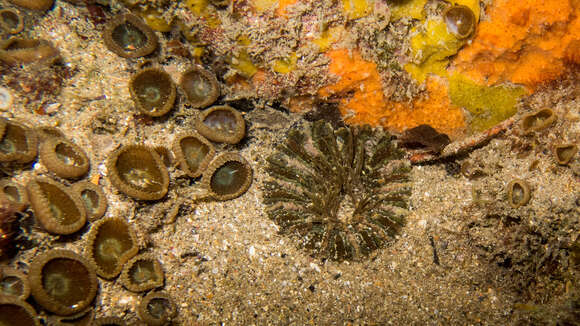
[252,251]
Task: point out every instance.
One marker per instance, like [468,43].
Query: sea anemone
[343,192]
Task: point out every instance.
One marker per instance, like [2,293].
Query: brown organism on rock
[460,21]
[46,132]
[14,194]
[17,51]
[153,91]
[200,87]
[64,158]
[228,176]
[157,309]
[8,229]
[18,143]
[518,193]
[138,171]
[129,37]
[40,5]
[56,207]
[15,311]
[564,153]
[93,197]
[222,124]
[193,152]
[538,120]
[142,273]
[14,283]
[111,243]
[11,21]
[62,281]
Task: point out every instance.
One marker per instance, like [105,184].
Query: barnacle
[343,192]
[14,283]
[153,91]
[518,193]
[129,37]
[142,273]
[538,120]
[18,143]
[156,309]
[193,152]
[222,124]
[41,5]
[16,51]
[62,281]
[11,21]
[200,87]
[138,171]
[14,311]
[228,176]
[111,243]
[58,209]
[64,158]
[14,193]
[564,153]
[93,198]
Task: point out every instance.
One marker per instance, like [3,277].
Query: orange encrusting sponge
[362,101]
[525,42]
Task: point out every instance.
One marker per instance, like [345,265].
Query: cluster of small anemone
[137,170]
[63,282]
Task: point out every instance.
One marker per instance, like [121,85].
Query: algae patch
[488,106]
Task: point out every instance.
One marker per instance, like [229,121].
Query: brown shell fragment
[228,176]
[222,124]
[518,193]
[129,37]
[538,120]
[14,311]
[156,309]
[138,171]
[93,197]
[64,158]
[15,194]
[58,209]
[142,273]
[111,243]
[564,153]
[193,152]
[18,143]
[14,283]
[17,51]
[62,281]
[200,87]
[153,91]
